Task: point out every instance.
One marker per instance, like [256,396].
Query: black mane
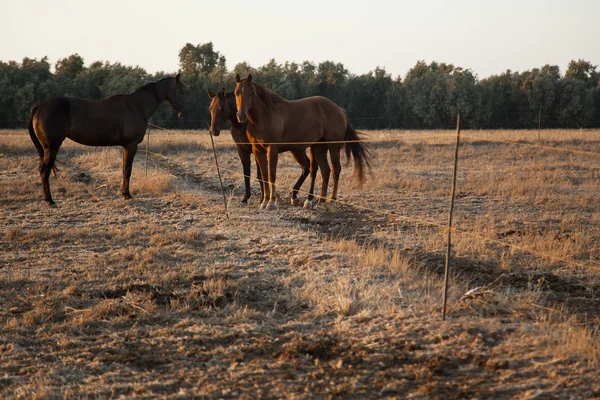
[151,86]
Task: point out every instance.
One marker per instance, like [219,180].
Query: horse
[275,123]
[222,109]
[119,120]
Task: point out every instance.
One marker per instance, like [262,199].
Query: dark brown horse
[276,124]
[119,120]
[222,109]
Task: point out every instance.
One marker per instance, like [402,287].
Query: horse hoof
[330,206]
[263,205]
[272,206]
[51,204]
[296,202]
[245,201]
[308,204]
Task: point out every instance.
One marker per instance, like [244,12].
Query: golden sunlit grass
[163,296]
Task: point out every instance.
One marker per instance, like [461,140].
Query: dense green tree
[367,99]
[503,100]
[331,81]
[428,88]
[464,96]
[429,96]
[198,60]
[70,67]
[575,104]
[583,71]
[398,107]
[540,87]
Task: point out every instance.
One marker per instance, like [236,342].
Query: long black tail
[358,150]
[36,141]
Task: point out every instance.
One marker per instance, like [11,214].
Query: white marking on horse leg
[272,205]
[308,204]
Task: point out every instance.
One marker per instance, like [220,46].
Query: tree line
[428,97]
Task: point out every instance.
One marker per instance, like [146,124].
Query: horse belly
[95,133]
[302,129]
[94,127]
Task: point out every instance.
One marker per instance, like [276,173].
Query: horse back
[313,114]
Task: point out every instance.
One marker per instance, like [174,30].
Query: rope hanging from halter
[218,171]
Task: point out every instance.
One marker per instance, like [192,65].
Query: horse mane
[151,86]
[269,97]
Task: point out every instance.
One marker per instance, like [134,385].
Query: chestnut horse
[119,120]
[222,109]
[276,123]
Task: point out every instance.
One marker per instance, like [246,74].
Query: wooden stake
[449,244]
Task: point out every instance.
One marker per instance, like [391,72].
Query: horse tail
[44,156]
[358,150]
[34,138]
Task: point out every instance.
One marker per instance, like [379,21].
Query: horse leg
[314,167]
[273,157]
[245,159]
[128,155]
[320,151]
[261,159]
[45,167]
[302,159]
[260,179]
[334,153]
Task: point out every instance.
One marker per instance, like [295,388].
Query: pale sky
[486,36]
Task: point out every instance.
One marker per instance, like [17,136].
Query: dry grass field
[165,297]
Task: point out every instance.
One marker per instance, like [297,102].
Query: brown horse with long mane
[222,109]
[119,120]
[276,124]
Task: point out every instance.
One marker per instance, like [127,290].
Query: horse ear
[237,78]
[177,77]
[249,78]
[222,92]
[210,93]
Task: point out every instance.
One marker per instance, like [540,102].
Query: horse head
[244,92]
[220,111]
[175,97]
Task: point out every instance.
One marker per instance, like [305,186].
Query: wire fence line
[398,139]
[529,118]
[440,225]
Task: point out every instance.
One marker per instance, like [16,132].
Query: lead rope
[218,170]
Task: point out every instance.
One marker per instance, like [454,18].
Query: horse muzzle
[215,132]
[242,117]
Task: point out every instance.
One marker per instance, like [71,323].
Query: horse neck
[162,88]
[232,107]
[149,99]
[259,111]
